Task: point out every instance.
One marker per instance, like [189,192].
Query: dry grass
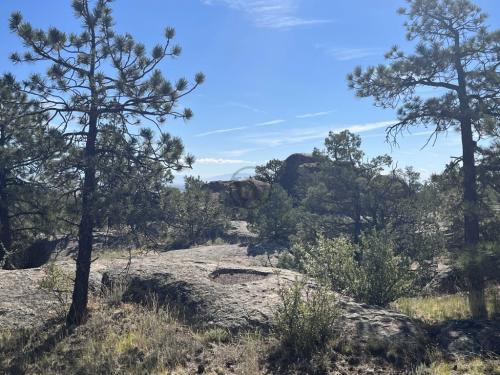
[440,308]
[462,366]
[133,339]
[129,339]
[246,356]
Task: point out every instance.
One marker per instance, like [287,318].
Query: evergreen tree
[97,78]
[198,215]
[270,171]
[25,143]
[349,178]
[458,57]
[275,219]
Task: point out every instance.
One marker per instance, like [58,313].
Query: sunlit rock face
[213,286]
[240,193]
[297,167]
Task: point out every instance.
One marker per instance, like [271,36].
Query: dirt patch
[237,275]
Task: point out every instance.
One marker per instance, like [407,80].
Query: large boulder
[22,302]
[463,337]
[445,278]
[212,286]
[240,193]
[38,253]
[295,168]
[241,297]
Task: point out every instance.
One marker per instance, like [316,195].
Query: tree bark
[78,311]
[474,273]
[357,216]
[5,227]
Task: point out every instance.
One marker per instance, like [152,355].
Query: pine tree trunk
[475,276]
[5,227]
[78,311]
[357,218]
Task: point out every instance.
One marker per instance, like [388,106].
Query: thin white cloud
[274,14]
[218,131]
[238,152]
[228,130]
[314,114]
[272,122]
[427,132]
[243,106]
[301,135]
[223,161]
[347,54]
[361,128]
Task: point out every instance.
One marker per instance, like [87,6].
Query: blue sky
[275,73]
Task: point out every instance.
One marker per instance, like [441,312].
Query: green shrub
[58,283]
[215,335]
[293,258]
[383,277]
[197,215]
[275,219]
[333,263]
[370,272]
[305,318]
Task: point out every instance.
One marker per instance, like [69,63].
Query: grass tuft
[439,308]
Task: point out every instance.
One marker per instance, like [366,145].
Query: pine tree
[270,171]
[349,177]
[26,142]
[458,57]
[96,78]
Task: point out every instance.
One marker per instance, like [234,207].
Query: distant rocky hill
[248,192]
[240,193]
[295,168]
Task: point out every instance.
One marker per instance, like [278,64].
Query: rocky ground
[223,286]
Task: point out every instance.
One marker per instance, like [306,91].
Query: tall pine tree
[458,57]
[26,142]
[95,78]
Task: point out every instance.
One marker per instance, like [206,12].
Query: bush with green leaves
[370,271]
[197,216]
[275,220]
[384,276]
[57,282]
[333,263]
[305,318]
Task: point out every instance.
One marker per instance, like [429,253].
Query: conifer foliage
[456,56]
[97,78]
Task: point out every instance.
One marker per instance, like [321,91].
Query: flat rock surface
[213,286]
[22,302]
[469,336]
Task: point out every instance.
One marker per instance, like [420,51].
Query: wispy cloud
[223,161]
[301,135]
[229,130]
[426,132]
[347,54]
[218,131]
[361,128]
[238,152]
[243,106]
[314,114]
[275,14]
[272,122]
